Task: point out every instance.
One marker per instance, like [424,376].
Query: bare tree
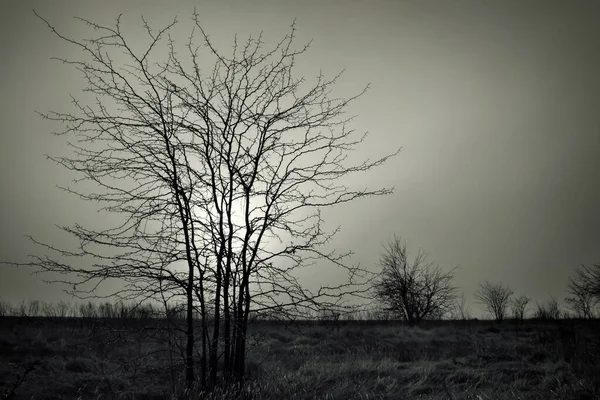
[220,173]
[63,309]
[49,309]
[88,310]
[33,308]
[495,298]
[107,310]
[549,310]
[5,308]
[519,305]
[20,310]
[584,291]
[588,278]
[583,304]
[413,290]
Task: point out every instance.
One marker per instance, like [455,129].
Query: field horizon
[101,358]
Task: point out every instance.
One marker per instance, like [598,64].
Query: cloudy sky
[496,106]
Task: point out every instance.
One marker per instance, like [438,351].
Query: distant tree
[414,290]
[584,291]
[33,308]
[5,308]
[583,305]
[588,278]
[495,298]
[106,310]
[519,306]
[63,309]
[548,311]
[20,309]
[88,310]
[49,309]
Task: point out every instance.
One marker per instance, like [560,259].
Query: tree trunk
[189,351]
[214,345]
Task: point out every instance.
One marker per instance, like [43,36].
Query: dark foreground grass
[77,359]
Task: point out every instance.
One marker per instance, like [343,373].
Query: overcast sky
[496,106]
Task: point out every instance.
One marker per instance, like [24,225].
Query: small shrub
[548,311]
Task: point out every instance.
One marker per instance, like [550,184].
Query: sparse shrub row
[550,310]
[417,289]
[63,309]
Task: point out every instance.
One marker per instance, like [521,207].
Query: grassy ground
[70,359]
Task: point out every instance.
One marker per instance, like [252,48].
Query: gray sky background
[496,106]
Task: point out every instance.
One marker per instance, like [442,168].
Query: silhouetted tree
[413,290]
[49,309]
[33,308]
[88,310]
[583,304]
[495,298]
[63,309]
[220,172]
[20,309]
[519,305]
[584,291]
[588,278]
[5,308]
[549,310]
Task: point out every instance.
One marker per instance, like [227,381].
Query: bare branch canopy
[219,172]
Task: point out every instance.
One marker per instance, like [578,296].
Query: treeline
[405,291]
[64,309]
[582,300]
[147,310]
[514,309]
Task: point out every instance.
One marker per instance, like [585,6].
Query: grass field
[43,358]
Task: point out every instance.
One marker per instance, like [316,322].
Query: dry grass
[72,359]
